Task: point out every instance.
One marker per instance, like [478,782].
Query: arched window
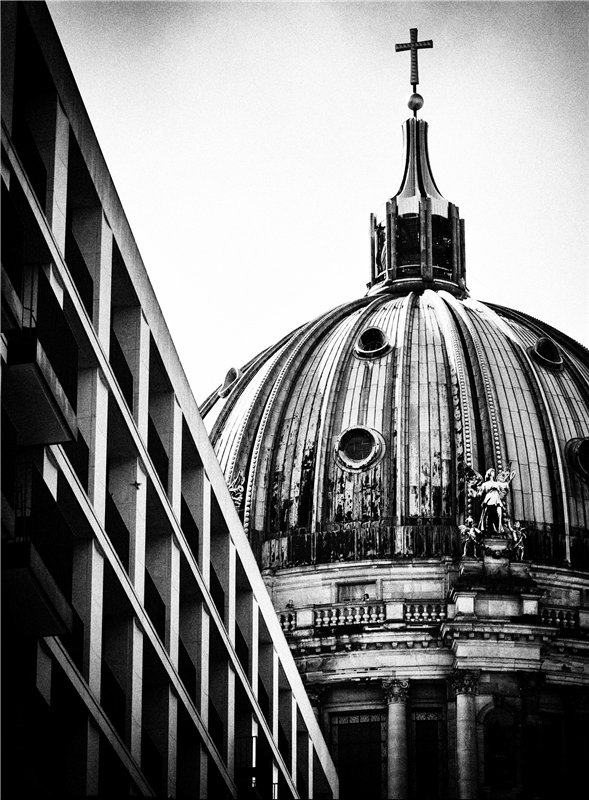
[499,749]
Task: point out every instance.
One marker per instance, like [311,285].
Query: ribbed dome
[350,438]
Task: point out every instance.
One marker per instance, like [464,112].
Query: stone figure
[519,539]
[470,535]
[492,489]
[380,248]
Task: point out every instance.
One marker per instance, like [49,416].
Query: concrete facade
[141,652]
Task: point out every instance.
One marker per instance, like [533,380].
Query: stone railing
[425,612]
[288,620]
[558,617]
[349,614]
[340,615]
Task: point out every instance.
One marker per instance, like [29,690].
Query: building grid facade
[141,652]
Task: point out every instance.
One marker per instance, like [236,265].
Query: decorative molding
[395,691]
[317,695]
[464,681]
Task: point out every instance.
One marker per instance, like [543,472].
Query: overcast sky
[249,143]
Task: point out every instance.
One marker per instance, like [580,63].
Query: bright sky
[249,143]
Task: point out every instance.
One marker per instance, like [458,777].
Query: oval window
[546,352]
[359,448]
[577,453]
[230,380]
[372,342]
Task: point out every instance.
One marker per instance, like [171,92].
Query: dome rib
[293,357]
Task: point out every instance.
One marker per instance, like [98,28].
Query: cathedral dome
[355,436]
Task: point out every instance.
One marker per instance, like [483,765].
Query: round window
[372,342]
[577,453]
[230,380]
[546,352]
[359,448]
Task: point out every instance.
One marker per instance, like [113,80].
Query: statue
[493,489]
[469,536]
[519,539]
[380,248]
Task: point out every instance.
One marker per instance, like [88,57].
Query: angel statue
[469,535]
[493,489]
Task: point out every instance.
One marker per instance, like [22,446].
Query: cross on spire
[414,46]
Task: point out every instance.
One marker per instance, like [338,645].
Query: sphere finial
[415,102]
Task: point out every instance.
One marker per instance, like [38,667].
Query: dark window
[428,742]
[546,352]
[359,749]
[408,245]
[499,749]
[441,242]
[372,342]
[357,444]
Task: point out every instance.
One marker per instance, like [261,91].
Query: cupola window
[408,244]
[441,245]
[230,380]
[372,342]
[577,453]
[359,448]
[546,352]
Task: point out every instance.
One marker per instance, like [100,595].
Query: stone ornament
[470,536]
[395,690]
[316,695]
[464,681]
[236,489]
[493,489]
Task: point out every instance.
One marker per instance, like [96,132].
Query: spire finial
[416,100]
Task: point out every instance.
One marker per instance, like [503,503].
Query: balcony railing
[363,541]
[349,614]
[558,617]
[341,615]
[424,612]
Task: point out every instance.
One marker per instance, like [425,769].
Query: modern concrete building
[438,611]
[141,654]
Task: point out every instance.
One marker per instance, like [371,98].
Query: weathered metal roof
[457,384]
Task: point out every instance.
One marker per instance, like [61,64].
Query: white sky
[249,143]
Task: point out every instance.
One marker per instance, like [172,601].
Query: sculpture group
[494,520]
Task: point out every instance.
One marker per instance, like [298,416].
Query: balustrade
[556,617]
[424,612]
[350,614]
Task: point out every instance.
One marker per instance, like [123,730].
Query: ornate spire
[418,237]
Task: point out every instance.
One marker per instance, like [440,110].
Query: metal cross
[414,46]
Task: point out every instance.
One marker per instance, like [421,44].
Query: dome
[356,436]
[412,470]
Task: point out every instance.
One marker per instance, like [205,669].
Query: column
[396,693]
[464,684]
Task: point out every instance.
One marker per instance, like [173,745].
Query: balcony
[40,382]
[356,614]
[30,595]
[347,615]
